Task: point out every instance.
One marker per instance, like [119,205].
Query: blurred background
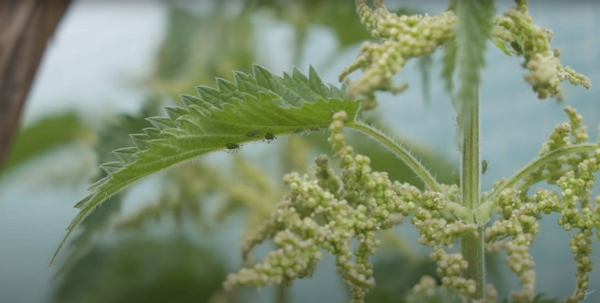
[174,236]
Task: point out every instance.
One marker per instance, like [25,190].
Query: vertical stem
[281,294]
[471,247]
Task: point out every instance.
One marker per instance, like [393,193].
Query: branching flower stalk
[319,213]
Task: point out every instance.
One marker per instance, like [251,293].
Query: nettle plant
[341,213]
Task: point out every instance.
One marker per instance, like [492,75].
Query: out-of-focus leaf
[424,65]
[338,15]
[143,270]
[396,276]
[184,188]
[502,46]
[437,294]
[449,65]
[199,47]
[473,29]
[93,227]
[174,50]
[45,134]
[249,188]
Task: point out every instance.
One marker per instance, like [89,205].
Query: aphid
[516,47]
[270,137]
[232,147]
[484,166]
[252,133]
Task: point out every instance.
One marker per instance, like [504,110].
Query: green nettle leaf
[259,107]
[424,65]
[449,65]
[473,30]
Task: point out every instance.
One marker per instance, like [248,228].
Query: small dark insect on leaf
[270,137]
[232,147]
[484,166]
[517,47]
[252,133]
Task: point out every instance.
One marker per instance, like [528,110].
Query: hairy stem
[403,154]
[471,247]
[535,164]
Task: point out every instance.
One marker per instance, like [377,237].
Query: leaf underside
[255,107]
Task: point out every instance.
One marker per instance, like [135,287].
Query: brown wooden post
[25,27]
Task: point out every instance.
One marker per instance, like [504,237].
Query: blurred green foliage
[199,47]
[139,269]
[44,135]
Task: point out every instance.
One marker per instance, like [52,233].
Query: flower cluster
[437,232]
[578,213]
[326,214]
[329,211]
[564,135]
[520,214]
[450,267]
[403,37]
[519,222]
[533,42]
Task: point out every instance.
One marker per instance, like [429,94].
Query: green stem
[471,246]
[400,152]
[281,294]
[535,164]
